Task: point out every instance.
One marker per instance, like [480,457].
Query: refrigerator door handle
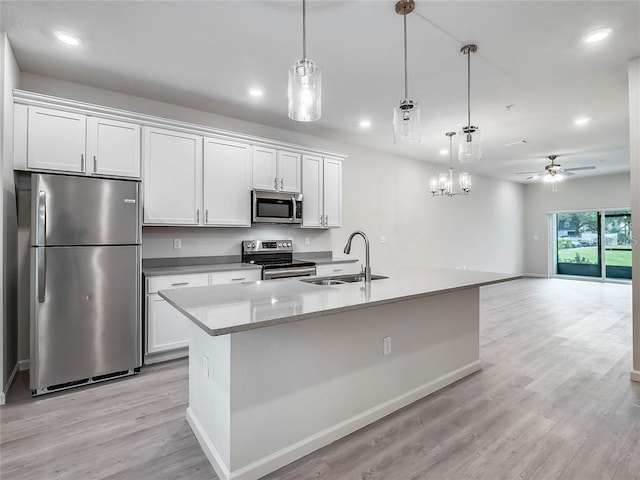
[41,261]
[41,223]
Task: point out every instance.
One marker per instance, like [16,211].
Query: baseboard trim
[534,275]
[635,375]
[23,365]
[6,386]
[297,450]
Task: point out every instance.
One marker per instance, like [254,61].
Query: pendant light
[469,147]
[305,82]
[442,184]
[406,116]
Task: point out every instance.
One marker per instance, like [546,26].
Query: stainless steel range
[276,258]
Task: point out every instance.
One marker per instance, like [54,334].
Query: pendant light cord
[304,29]
[469,87]
[406,82]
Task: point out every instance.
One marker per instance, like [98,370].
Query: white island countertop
[225,309]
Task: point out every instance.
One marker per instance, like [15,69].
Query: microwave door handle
[295,208]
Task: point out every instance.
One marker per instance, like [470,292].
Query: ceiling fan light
[470,145]
[406,122]
[305,90]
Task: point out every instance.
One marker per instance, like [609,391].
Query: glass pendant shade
[464,180]
[470,146]
[406,122]
[305,88]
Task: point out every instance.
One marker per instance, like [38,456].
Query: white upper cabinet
[322,192]
[276,170]
[265,168]
[332,192]
[113,148]
[312,186]
[227,183]
[55,140]
[288,171]
[172,177]
[49,139]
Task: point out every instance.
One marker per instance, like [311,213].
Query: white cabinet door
[227,183]
[246,275]
[113,148]
[332,192]
[265,172]
[56,140]
[172,177]
[288,171]
[167,329]
[312,186]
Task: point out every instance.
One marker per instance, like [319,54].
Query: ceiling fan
[554,172]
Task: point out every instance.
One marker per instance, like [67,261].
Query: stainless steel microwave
[275,207]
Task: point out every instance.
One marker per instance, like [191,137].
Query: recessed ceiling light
[582,120]
[597,35]
[444,151]
[256,92]
[68,38]
[364,123]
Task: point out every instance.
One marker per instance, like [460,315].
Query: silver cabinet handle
[179,284]
[95,164]
[321,220]
[238,279]
[282,184]
[206,216]
[275,183]
[338,269]
[198,215]
[42,272]
[41,233]
[82,162]
[326,220]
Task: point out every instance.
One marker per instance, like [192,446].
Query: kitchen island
[280,368]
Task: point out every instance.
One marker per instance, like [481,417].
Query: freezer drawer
[69,210]
[85,319]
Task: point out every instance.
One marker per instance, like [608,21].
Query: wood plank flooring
[553,400]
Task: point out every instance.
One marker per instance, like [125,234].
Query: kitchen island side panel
[298,386]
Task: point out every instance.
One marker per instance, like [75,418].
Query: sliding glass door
[594,244]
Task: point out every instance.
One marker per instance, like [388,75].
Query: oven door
[274,207]
[287,272]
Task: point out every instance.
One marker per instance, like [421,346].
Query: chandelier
[442,184]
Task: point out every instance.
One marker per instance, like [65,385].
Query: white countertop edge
[321,313]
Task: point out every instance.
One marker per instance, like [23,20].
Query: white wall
[10,75]
[383,195]
[590,193]
[634,160]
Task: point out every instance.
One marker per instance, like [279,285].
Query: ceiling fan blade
[535,176]
[567,174]
[527,173]
[575,169]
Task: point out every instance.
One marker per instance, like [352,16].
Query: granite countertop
[205,268]
[186,265]
[231,308]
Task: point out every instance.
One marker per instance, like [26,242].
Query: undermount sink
[340,279]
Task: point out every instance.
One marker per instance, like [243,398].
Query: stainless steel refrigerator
[85,277]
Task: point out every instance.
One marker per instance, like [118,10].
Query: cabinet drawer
[338,269]
[177,281]
[218,278]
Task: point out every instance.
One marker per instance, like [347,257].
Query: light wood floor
[553,400]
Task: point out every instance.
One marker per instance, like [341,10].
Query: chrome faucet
[347,250]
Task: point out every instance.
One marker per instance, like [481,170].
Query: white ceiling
[206,54]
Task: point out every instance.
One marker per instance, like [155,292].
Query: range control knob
[288,244]
[252,245]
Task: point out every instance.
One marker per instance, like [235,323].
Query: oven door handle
[289,272]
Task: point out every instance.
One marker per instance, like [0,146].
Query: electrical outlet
[383,239]
[205,366]
[306,241]
[386,345]
[177,244]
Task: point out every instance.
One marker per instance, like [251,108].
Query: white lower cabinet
[338,269]
[167,330]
